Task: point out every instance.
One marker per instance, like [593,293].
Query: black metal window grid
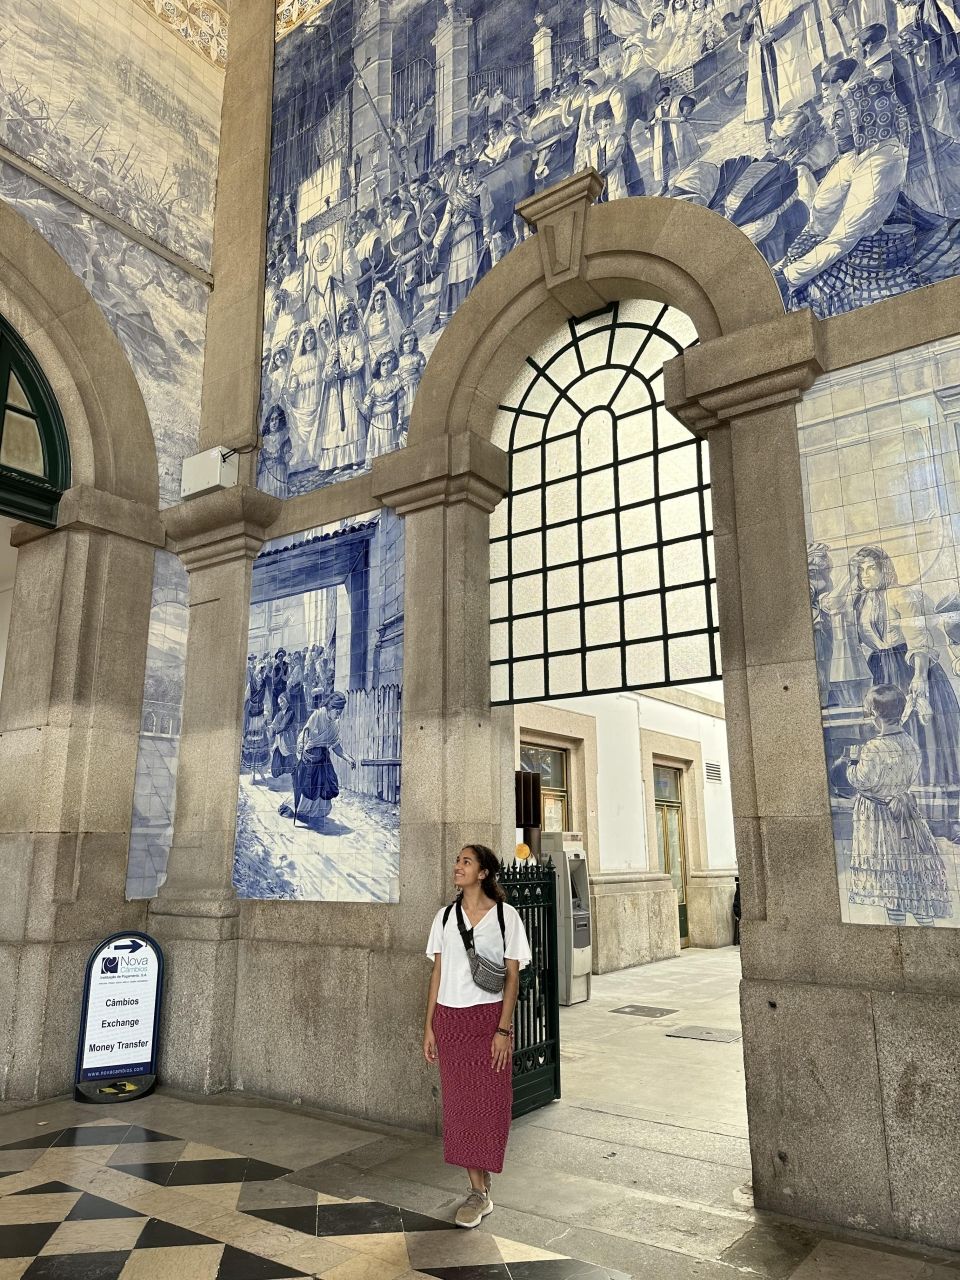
[602,569]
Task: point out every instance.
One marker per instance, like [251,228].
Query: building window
[551,764]
[601,557]
[34,455]
[668,800]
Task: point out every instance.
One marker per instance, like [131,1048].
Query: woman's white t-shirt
[457,987]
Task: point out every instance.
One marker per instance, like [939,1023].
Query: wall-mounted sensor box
[206,472]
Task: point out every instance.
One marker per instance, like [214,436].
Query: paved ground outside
[641,1170]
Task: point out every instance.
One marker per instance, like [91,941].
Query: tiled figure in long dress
[382,406]
[895,862]
[315,781]
[273,462]
[900,649]
[343,433]
[410,371]
[303,399]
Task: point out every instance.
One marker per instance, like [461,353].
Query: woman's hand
[501,1051]
[430,1046]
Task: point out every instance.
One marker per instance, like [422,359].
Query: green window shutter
[34,453]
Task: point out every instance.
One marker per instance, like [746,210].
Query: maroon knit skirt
[477,1099]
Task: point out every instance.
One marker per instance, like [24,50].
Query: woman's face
[407,343]
[467,872]
[379,302]
[310,341]
[870,574]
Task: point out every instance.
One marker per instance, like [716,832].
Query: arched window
[601,556]
[34,455]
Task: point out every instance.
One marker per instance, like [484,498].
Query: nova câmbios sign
[117,1054]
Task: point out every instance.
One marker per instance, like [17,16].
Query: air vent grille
[714,772]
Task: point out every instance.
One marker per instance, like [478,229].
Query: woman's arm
[429,1039]
[501,1051]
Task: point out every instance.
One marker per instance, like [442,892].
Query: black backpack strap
[465,933]
[503,927]
[446,916]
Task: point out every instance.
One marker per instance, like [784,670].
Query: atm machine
[574,940]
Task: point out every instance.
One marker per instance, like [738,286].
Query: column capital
[442,472]
[85,508]
[755,370]
[559,215]
[220,527]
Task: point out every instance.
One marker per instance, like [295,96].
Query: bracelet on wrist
[504,1031]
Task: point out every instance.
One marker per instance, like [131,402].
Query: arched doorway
[737,386]
[78,476]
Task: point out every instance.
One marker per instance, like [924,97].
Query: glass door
[668,796]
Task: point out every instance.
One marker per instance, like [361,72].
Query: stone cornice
[443,471]
[759,369]
[220,527]
[86,508]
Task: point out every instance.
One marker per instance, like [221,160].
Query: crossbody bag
[487,974]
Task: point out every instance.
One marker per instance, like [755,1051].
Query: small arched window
[34,454]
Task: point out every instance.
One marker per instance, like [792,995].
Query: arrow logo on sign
[132,946]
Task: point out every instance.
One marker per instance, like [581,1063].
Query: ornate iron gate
[536,1061]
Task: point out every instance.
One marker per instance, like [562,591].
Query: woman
[255,750]
[315,781]
[382,406]
[469,1029]
[284,729]
[895,862]
[891,627]
[382,322]
[273,462]
[303,398]
[342,439]
[410,371]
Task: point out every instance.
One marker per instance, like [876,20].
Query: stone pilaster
[542,59]
[452,56]
[373,97]
[195,913]
[230,405]
[69,730]
[457,750]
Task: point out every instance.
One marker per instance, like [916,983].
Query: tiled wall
[318,815]
[880,448]
[121,103]
[120,100]
[829,133]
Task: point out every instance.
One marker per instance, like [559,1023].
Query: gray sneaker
[474,1209]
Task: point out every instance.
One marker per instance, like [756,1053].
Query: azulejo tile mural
[880,449]
[406,132]
[318,814]
[122,104]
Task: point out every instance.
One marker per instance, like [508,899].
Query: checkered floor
[113,1201]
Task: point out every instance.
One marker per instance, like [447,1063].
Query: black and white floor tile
[113,1201]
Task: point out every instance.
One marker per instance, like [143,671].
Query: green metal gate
[532,890]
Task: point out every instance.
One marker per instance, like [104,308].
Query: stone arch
[739,385]
[111,443]
[584,256]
